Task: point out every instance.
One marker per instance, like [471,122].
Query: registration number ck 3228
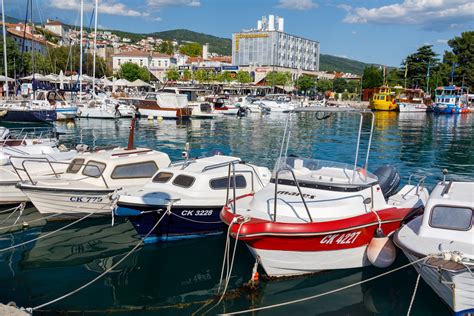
[340,239]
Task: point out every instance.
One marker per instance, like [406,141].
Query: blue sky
[368,30]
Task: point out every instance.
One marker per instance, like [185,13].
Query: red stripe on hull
[340,234]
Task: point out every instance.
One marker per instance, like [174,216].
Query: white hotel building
[156,63]
[269,45]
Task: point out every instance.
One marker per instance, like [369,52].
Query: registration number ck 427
[340,239]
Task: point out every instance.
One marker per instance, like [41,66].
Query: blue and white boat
[64,110]
[450,100]
[189,195]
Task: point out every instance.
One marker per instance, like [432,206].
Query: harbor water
[181,277]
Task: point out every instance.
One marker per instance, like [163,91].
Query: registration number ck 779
[340,239]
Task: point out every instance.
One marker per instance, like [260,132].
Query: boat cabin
[449,213]
[163,100]
[206,177]
[116,167]
[448,95]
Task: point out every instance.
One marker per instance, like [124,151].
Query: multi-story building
[269,45]
[55,27]
[156,63]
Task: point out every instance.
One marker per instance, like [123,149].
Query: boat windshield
[322,172]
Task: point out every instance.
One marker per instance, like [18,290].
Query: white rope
[20,208]
[100,275]
[414,294]
[232,259]
[329,292]
[11,209]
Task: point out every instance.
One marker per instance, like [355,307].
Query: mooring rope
[328,292]
[31,309]
[13,210]
[230,261]
[414,294]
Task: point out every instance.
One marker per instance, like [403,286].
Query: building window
[141,62]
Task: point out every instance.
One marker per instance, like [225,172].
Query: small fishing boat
[92,180]
[98,108]
[193,192]
[164,105]
[444,229]
[413,100]
[384,99]
[320,215]
[451,100]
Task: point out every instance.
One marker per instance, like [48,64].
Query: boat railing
[420,183]
[231,174]
[299,191]
[50,163]
[39,133]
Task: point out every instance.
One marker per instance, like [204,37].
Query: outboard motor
[389,179]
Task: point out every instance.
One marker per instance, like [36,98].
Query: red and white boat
[320,215]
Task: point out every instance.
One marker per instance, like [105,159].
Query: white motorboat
[277,103]
[321,215]
[26,151]
[164,105]
[204,110]
[98,108]
[194,191]
[444,235]
[251,105]
[91,179]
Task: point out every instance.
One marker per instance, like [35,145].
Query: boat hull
[383,106]
[69,203]
[456,290]
[10,194]
[66,113]
[183,113]
[97,113]
[410,107]
[449,109]
[29,116]
[287,249]
[184,222]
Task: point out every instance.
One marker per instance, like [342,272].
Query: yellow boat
[384,99]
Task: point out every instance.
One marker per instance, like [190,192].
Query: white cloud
[297,4]
[430,14]
[442,41]
[107,7]
[169,3]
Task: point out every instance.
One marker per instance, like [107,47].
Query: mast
[5,49]
[95,44]
[80,58]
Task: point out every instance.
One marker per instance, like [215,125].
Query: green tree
[132,72]
[187,75]
[172,74]
[417,66]
[14,59]
[463,50]
[277,78]
[340,85]
[324,85]
[394,77]
[224,77]
[191,49]
[243,77]
[165,47]
[305,83]
[372,77]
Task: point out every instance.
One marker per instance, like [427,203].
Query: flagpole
[80,56]
[95,44]
[428,78]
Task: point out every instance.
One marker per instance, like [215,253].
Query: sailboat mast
[95,44]
[80,58]
[5,49]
